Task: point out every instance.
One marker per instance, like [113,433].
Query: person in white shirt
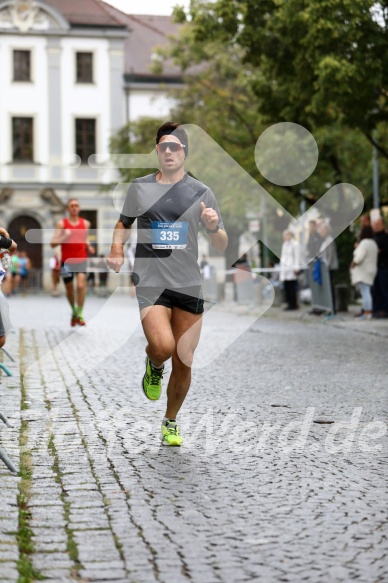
[364,269]
[328,254]
[7,247]
[289,269]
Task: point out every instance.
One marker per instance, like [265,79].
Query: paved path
[259,491]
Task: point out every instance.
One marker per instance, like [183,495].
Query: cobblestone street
[282,475]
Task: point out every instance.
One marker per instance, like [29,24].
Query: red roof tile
[86,12]
[146,33]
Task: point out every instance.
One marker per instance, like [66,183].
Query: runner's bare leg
[156,322]
[69,287]
[81,289]
[188,324]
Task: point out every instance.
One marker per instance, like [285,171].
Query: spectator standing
[242,279]
[204,262]
[8,246]
[24,268]
[312,249]
[314,241]
[290,268]
[328,254]
[365,221]
[380,285]
[14,269]
[206,274]
[364,269]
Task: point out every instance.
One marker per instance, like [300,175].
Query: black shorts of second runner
[68,275]
[189,299]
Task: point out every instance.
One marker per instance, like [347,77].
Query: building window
[85,138]
[22,66]
[84,67]
[22,138]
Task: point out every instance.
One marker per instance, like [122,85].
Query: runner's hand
[209,217]
[115,258]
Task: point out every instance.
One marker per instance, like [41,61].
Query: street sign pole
[376,193]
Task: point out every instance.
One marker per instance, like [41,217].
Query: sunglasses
[172,146]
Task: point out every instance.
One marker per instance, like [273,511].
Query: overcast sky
[147,6]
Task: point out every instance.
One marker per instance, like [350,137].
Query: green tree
[249,67]
[320,63]
[135,138]
[317,62]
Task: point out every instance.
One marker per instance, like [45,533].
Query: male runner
[168,206]
[72,234]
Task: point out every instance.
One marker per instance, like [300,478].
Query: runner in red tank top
[72,234]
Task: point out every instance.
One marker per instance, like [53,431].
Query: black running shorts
[68,275]
[189,299]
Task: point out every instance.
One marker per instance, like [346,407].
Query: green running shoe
[170,433]
[152,381]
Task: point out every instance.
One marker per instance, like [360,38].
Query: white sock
[167,419]
[157,367]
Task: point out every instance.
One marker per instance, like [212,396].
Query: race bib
[169,235]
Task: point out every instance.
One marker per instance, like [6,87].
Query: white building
[72,73]
[147,94]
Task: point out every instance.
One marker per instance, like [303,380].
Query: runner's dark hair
[171,127]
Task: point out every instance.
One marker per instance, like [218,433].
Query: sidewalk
[343,320]
[268,486]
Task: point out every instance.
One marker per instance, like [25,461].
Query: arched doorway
[17,230]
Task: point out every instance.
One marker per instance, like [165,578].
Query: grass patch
[24,535]
[71,546]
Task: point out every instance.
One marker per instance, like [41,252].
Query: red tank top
[74,248]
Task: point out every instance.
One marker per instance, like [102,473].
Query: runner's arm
[210,219]
[7,243]
[121,235]
[219,240]
[60,235]
[91,249]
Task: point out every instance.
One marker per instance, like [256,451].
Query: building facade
[146,93]
[64,91]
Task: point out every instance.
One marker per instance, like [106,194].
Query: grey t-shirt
[168,218]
